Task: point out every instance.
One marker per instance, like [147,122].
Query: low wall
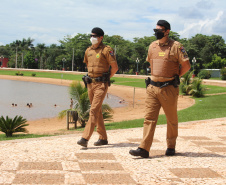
[214,72]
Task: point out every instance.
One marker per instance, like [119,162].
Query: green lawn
[20,136]
[204,108]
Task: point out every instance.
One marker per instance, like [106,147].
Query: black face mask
[159,35]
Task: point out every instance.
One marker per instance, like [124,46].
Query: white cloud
[203,26]
[51,20]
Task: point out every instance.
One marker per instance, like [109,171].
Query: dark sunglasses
[95,36]
[158,30]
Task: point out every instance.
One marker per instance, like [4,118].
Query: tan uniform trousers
[96,92]
[156,98]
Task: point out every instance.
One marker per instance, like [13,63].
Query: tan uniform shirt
[98,60]
[171,51]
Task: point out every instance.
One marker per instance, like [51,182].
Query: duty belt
[98,79]
[162,84]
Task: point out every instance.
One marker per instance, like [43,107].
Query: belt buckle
[93,80]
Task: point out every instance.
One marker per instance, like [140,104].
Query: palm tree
[79,94]
[10,126]
[197,88]
[185,85]
[41,50]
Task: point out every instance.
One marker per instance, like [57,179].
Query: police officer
[168,60]
[98,59]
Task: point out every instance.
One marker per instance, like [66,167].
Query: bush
[185,85]
[197,88]
[131,72]
[204,74]
[10,126]
[142,72]
[19,73]
[223,74]
[33,74]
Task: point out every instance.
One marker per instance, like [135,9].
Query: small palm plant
[185,85]
[79,94]
[197,88]
[10,126]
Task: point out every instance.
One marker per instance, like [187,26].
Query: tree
[79,94]
[216,63]
[29,61]
[197,90]
[10,126]
[41,49]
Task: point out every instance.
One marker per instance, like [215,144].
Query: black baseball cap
[164,23]
[98,31]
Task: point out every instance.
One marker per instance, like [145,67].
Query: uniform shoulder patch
[110,50]
[181,48]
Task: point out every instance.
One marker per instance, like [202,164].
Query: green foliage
[216,63]
[130,72]
[204,74]
[10,126]
[223,74]
[208,50]
[185,85]
[142,72]
[33,74]
[29,61]
[19,74]
[197,89]
[79,94]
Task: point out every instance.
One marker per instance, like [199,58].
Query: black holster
[86,79]
[147,81]
[106,78]
[176,81]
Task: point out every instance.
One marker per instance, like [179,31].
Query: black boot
[83,142]
[170,151]
[101,142]
[140,152]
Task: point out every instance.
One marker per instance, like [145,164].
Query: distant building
[3,62]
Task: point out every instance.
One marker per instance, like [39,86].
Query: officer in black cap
[98,31]
[98,58]
[168,61]
[164,23]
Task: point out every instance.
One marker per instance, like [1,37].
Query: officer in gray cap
[168,61]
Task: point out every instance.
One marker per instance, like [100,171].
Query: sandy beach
[133,109]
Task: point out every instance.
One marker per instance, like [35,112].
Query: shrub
[19,73]
[79,94]
[142,72]
[204,74]
[185,85]
[33,74]
[223,74]
[10,126]
[197,90]
[131,72]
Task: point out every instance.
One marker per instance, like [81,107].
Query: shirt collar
[100,46]
[163,44]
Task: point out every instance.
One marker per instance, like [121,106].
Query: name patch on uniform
[161,54]
[98,55]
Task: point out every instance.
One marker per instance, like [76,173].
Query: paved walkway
[200,158]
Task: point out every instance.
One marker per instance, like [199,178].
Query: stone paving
[200,158]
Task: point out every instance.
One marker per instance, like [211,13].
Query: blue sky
[48,21]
